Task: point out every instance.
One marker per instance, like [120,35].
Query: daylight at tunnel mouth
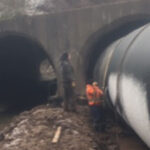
[27,77]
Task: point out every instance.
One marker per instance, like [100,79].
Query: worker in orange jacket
[94,96]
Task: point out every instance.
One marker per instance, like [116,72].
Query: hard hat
[95,83]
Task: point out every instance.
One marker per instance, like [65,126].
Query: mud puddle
[131,143]
[5,119]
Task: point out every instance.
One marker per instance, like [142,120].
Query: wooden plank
[57,135]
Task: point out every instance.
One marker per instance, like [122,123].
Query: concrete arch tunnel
[102,38]
[123,69]
[27,75]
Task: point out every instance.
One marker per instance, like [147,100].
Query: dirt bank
[35,129]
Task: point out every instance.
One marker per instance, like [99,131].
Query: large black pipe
[124,72]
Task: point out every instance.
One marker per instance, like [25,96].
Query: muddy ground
[35,129]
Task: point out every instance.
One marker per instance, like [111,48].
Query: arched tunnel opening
[102,39]
[27,76]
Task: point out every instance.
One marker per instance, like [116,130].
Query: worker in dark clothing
[94,94]
[68,82]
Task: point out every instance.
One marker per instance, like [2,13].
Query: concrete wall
[76,30]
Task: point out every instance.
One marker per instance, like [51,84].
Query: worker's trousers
[69,98]
[96,117]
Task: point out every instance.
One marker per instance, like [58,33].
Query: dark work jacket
[67,72]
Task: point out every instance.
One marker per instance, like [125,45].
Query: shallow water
[5,119]
[131,143]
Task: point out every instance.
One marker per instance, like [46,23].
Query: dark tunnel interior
[21,86]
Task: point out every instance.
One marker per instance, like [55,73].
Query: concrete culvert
[27,77]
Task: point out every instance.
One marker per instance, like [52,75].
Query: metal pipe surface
[124,70]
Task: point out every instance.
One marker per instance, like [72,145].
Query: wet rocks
[35,129]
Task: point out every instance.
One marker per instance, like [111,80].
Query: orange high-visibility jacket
[93,94]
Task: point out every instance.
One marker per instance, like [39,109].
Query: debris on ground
[48,128]
[36,128]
